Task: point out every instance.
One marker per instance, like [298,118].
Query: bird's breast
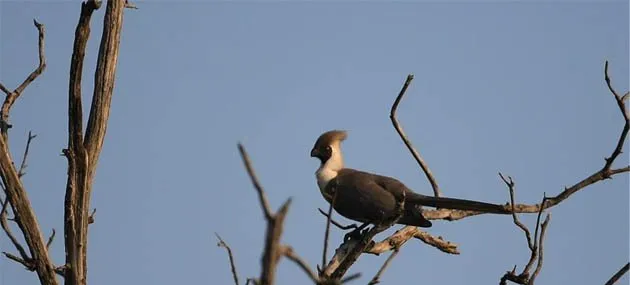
[324,176]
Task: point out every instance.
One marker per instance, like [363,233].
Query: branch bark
[83,152]
[26,219]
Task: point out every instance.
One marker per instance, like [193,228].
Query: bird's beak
[314,152]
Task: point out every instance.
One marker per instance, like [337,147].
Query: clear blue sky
[516,88]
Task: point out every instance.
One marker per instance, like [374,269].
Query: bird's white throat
[329,170]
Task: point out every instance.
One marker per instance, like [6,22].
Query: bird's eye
[328,149]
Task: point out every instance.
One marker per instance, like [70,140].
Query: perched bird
[371,198]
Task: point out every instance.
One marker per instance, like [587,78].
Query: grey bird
[371,198]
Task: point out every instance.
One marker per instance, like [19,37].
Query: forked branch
[606,172]
[273,250]
[534,244]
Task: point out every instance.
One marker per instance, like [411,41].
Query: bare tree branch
[7,230]
[290,254]
[14,189]
[350,278]
[403,136]
[23,166]
[12,96]
[275,224]
[337,224]
[51,239]
[618,274]
[377,277]
[534,245]
[261,192]
[26,263]
[606,172]
[539,265]
[327,232]
[222,244]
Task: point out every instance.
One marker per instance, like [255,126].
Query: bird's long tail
[456,204]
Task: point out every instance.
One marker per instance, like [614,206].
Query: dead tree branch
[275,222]
[12,96]
[82,154]
[83,151]
[377,278]
[222,244]
[5,226]
[618,275]
[23,165]
[288,252]
[327,232]
[535,245]
[16,194]
[606,172]
[403,136]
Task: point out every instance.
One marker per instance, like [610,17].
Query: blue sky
[516,88]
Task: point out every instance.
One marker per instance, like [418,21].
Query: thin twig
[290,254]
[91,216]
[51,238]
[327,232]
[275,223]
[389,259]
[510,184]
[539,265]
[12,96]
[252,175]
[7,230]
[222,244]
[618,275]
[622,107]
[337,224]
[605,172]
[401,133]
[28,146]
[26,263]
[351,277]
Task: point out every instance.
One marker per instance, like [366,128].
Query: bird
[372,198]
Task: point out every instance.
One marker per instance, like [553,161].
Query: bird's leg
[356,233]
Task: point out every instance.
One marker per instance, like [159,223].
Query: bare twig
[377,277]
[327,232]
[401,133]
[351,277]
[28,145]
[543,230]
[605,172]
[252,175]
[7,230]
[618,274]
[290,254]
[51,239]
[28,264]
[275,223]
[337,224]
[12,96]
[4,89]
[222,244]
[622,107]
[91,216]
[534,245]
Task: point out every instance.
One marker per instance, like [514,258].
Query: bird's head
[328,144]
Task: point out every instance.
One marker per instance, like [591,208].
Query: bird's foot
[357,233]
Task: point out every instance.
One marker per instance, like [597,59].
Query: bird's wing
[360,197]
